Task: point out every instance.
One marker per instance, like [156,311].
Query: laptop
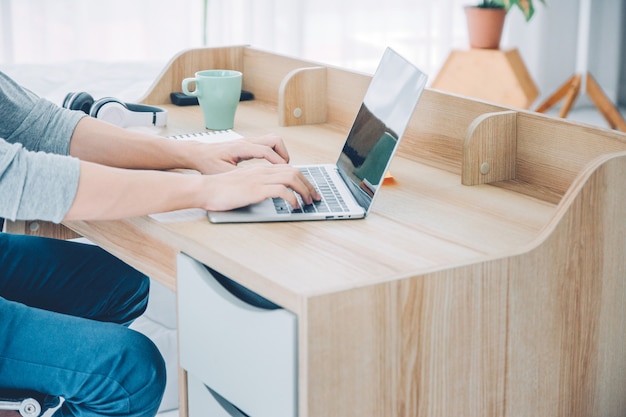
[350,185]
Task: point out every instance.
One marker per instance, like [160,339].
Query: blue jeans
[64,307]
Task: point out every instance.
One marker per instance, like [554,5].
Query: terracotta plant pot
[484,26]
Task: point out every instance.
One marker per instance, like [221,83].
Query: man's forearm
[105,144]
[106,193]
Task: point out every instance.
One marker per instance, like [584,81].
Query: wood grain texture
[602,102]
[39,228]
[186,64]
[494,75]
[302,97]
[489,150]
[539,331]
[131,241]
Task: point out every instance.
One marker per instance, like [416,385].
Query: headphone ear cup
[110,110]
[78,101]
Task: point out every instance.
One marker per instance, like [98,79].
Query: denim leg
[72,278]
[101,369]
[61,307]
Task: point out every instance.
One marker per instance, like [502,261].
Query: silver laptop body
[357,175]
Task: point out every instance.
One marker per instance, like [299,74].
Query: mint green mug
[218,92]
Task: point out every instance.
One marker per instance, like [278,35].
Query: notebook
[358,173]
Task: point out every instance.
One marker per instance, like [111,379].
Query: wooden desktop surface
[425,219]
[497,299]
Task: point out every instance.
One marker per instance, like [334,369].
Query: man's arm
[113,193]
[122,173]
[103,143]
[117,173]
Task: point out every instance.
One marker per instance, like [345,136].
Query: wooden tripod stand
[569,92]
[582,79]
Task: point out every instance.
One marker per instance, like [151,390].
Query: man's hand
[106,193]
[224,156]
[252,184]
[105,144]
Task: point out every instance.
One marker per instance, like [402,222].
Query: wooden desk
[503,298]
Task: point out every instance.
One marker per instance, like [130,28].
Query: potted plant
[486,20]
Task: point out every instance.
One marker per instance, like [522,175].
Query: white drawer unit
[244,353]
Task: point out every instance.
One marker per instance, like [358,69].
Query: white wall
[605,50]
[44,31]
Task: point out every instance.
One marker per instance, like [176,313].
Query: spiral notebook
[209,136]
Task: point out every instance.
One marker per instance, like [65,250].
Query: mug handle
[185,87]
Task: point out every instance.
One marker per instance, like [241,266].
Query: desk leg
[183,410]
[568,91]
[609,111]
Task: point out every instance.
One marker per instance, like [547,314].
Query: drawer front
[246,354]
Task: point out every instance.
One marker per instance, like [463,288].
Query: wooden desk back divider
[489,149]
[302,97]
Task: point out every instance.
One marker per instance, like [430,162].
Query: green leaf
[491,4]
[526,6]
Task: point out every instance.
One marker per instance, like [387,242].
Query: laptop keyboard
[331,201]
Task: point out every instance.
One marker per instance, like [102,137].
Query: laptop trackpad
[262,211]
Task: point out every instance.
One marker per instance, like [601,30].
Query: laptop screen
[381,121]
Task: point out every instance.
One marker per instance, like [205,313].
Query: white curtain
[347,33]
[43,31]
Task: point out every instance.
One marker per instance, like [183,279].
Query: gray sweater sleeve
[38,180]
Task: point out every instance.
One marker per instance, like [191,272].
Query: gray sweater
[38,180]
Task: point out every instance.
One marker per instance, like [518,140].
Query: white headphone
[115,112]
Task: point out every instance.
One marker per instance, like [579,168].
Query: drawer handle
[241,292]
[229,407]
